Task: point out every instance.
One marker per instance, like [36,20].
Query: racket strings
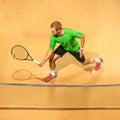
[19,52]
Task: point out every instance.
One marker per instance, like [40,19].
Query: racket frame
[28,57]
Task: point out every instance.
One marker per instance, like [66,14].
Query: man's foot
[49,78]
[98,62]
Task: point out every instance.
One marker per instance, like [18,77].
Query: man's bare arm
[47,55]
[82,42]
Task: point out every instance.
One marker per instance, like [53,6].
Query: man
[68,43]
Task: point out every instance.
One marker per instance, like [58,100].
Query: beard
[57,34]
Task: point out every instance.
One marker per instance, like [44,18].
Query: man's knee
[53,58]
[82,60]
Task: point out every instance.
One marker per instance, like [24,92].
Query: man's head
[56,28]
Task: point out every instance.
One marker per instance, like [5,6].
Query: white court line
[58,85]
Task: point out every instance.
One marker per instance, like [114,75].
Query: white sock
[53,73]
[97,60]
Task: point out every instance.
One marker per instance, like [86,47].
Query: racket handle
[37,62]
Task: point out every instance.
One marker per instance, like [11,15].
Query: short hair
[57,25]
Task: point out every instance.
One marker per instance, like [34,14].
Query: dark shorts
[60,51]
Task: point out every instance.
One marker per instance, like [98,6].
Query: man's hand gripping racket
[20,53]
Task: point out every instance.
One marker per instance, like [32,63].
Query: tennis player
[66,37]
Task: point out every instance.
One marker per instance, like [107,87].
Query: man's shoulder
[72,30]
[52,38]
[67,30]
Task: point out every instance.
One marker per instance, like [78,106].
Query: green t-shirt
[67,40]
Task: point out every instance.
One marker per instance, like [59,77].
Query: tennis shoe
[98,63]
[49,78]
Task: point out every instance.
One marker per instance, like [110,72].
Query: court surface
[74,93]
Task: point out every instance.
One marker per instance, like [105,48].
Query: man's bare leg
[52,66]
[88,61]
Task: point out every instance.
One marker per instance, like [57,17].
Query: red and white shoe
[49,78]
[98,63]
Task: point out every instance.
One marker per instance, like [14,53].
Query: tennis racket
[20,53]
